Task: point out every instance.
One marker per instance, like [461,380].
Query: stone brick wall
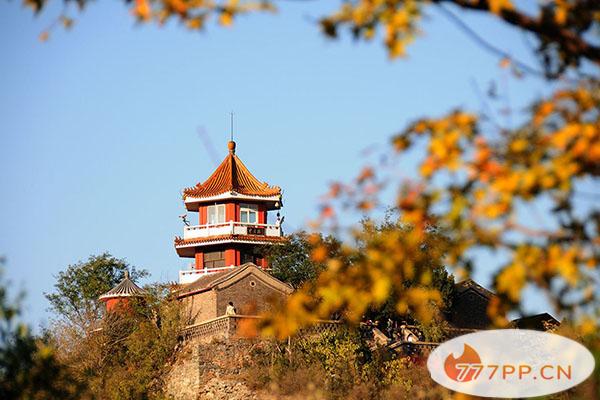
[211,371]
[250,296]
[182,382]
[200,307]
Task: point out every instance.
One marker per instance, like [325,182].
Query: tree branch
[485,44]
[569,41]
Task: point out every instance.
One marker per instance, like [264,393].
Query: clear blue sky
[99,126]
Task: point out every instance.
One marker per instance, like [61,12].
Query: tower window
[214,259]
[249,213]
[247,257]
[216,214]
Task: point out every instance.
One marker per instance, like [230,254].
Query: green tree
[134,348]
[127,355]
[291,262]
[439,277]
[75,298]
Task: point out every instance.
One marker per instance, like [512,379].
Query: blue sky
[99,125]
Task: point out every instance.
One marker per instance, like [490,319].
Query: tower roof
[231,176]
[127,288]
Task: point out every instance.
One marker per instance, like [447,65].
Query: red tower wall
[117,303]
[233,251]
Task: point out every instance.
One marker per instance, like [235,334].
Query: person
[230,310]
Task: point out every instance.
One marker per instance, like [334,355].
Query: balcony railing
[190,275]
[231,228]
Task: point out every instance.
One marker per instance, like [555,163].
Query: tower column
[231,257]
[230,214]
[199,260]
[202,219]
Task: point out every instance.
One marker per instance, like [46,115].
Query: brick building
[248,287]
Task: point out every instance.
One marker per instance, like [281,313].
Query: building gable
[250,269]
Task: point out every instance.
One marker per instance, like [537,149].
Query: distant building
[538,322]
[469,310]
[469,306]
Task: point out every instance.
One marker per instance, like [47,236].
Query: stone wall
[183,379]
[211,371]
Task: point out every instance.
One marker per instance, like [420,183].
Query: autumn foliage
[527,192]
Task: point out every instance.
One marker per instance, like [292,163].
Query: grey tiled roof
[127,288]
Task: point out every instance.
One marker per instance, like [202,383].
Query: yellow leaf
[319,254]
[548,181]
[226,19]
[560,15]
[195,23]
[496,6]
[397,49]
[179,6]
[511,280]
[588,326]
[463,120]
[142,10]
[427,168]
[518,145]
[66,22]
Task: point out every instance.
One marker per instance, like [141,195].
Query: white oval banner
[510,363]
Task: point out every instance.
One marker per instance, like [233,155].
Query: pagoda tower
[232,207]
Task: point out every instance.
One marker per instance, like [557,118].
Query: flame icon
[460,369]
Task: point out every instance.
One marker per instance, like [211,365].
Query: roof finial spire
[231,133]
[231,144]
[126,274]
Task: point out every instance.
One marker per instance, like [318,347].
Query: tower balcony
[231,228]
